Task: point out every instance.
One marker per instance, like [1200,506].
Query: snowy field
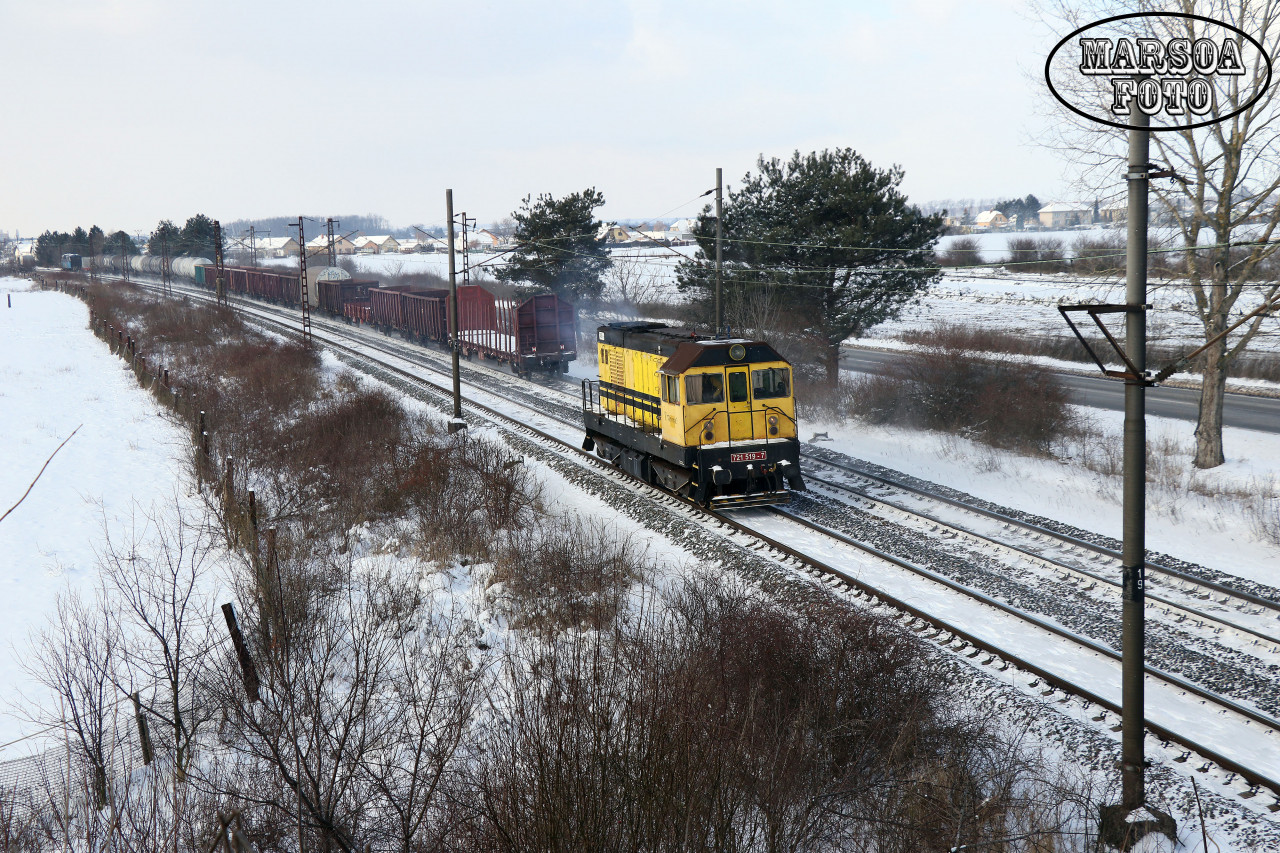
[56,376]
[1015,302]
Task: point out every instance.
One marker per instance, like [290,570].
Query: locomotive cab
[711,419]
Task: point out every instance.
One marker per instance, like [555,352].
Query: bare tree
[631,281]
[1231,171]
[75,657]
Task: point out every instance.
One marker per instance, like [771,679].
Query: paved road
[1240,410]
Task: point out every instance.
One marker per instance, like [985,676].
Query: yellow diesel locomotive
[708,418]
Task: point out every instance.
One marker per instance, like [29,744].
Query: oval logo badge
[1183,71]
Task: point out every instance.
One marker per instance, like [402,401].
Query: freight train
[707,418]
[536,333]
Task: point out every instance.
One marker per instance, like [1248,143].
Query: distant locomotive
[707,418]
[71,261]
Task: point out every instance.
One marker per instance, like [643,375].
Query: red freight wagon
[425,314]
[336,293]
[539,333]
[386,307]
[356,311]
[547,331]
[235,280]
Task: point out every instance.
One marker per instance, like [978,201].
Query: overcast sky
[124,112]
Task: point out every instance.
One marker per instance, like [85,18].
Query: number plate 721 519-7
[755,456]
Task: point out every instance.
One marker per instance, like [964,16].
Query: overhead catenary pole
[719,250]
[456,423]
[220,286]
[302,273]
[333,249]
[1134,550]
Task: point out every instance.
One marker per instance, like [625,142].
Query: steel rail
[1053,564]
[1258,600]
[1251,776]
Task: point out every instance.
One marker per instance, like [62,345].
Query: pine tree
[828,232]
[166,232]
[557,245]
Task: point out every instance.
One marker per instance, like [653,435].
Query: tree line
[194,238]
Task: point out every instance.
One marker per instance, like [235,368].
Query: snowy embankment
[56,376]
[1197,516]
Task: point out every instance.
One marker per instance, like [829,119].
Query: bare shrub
[1001,402]
[1036,254]
[462,492]
[714,719]
[1098,255]
[567,573]
[1265,515]
[962,252]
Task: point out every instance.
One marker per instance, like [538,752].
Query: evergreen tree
[196,238]
[120,243]
[166,233]
[1026,209]
[832,234]
[97,242]
[557,245]
[79,242]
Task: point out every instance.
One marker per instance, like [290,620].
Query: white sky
[123,112]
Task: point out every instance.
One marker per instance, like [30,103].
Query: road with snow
[1239,410]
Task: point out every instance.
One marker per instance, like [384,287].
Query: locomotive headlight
[773,420]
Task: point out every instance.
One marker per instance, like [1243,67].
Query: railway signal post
[456,422]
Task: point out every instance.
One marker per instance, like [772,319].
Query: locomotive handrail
[708,416]
[768,408]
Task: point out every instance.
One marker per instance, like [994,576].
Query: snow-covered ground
[1214,531]
[56,376]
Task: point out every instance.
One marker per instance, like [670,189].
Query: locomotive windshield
[704,388]
[771,382]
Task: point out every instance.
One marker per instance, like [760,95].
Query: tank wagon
[707,418]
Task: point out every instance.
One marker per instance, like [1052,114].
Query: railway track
[1185,710]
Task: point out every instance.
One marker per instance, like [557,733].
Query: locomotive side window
[704,388]
[671,389]
[771,382]
[737,386]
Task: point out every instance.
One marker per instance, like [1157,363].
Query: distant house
[1060,215]
[616,234]
[341,245]
[276,247]
[990,220]
[376,244]
[1113,213]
